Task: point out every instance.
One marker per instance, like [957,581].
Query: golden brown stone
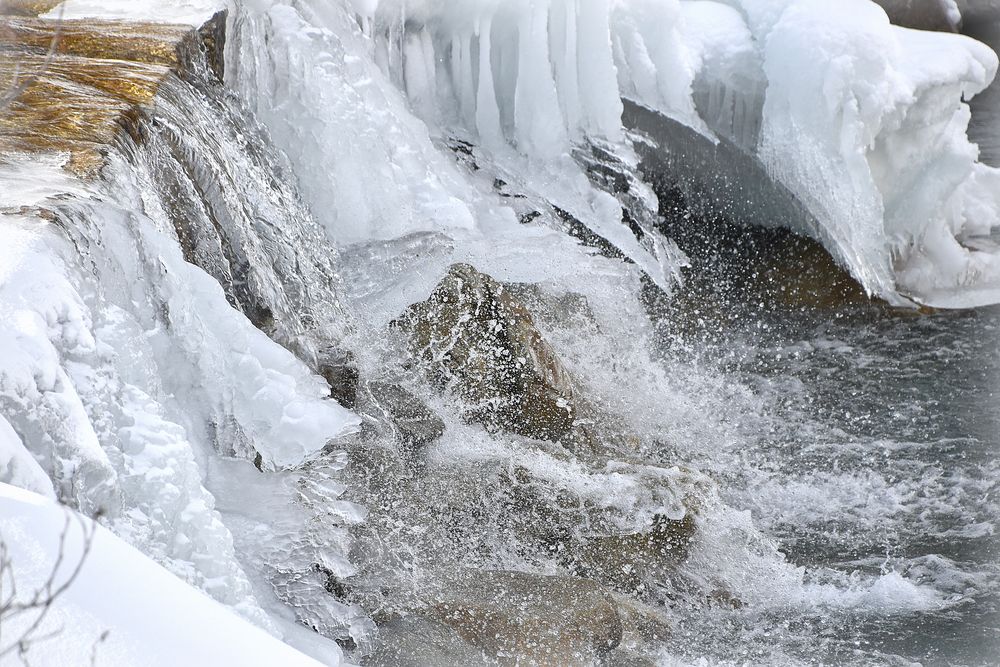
[26,7]
[106,40]
[76,99]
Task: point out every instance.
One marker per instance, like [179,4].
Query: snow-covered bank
[122,609]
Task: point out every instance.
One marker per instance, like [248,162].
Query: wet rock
[921,14]
[554,310]
[606,544]
[338,367]
[626,561]
[976,11]
[532,619]
[78,99]
[414,422]
[474,337]
[414,641]
[213,44]
[26,7]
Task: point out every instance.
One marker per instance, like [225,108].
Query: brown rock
[474,337]
[532,619]
[625,561]
[100,73]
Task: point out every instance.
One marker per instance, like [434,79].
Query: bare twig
[37,606]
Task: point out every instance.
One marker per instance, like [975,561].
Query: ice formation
[911,223]
[883,161]
[127,368]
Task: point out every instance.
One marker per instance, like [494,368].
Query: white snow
[184,12]
[151,618]
[123,368]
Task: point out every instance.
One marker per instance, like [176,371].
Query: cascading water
[559,437]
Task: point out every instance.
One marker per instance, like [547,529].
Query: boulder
[414,423]
[626,561]
[475,338]
[339,369]
[415,641]
[531,619]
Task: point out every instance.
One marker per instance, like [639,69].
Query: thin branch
[43,599]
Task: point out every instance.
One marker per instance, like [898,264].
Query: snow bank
[151,618]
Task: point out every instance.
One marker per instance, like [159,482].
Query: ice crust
[126,370]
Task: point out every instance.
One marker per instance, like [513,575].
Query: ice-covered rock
[884,162]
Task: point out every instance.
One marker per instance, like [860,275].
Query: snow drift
[121,609]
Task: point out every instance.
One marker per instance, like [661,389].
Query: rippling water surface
[873,464]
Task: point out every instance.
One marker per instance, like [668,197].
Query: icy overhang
[194,13]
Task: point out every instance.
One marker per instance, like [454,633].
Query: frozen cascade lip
[184,12]
[862,122]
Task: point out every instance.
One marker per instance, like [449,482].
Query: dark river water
[872,464]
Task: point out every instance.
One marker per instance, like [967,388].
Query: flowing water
[873,464]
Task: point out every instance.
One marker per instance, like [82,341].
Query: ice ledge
[194,13]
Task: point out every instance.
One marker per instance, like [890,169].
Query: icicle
[461,71]
[418,73]
[487,110]
[563,44]
[538,122]
[600,101]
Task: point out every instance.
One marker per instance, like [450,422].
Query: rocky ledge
[70,86]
